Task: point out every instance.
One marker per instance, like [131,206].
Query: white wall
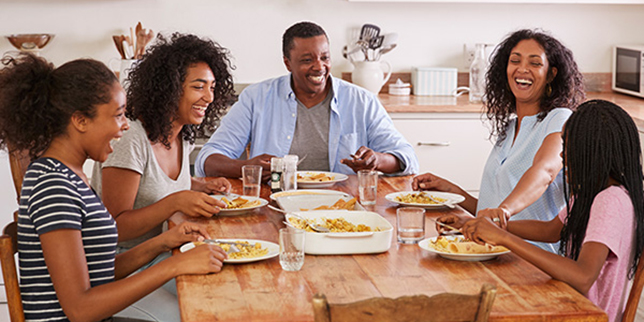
[431,34]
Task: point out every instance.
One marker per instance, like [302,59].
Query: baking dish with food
[310,202]
[378,240]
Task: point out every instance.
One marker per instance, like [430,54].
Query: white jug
[369,75]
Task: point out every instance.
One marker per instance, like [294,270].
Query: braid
[602,139]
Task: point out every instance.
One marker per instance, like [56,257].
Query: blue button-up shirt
[265,116]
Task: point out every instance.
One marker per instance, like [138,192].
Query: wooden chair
[19,161]
[636,292]
[8,248]
[441,307]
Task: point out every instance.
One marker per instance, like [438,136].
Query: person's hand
[365,159]
[203,259]
[184,233]
[215,186]
[196,204]
[500,216]
[482,230]
[456,221]
[263,160]
[429,181]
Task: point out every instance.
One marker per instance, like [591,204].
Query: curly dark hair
[37,101]
[156,85]
[601,142]
[567,85]
[304,29]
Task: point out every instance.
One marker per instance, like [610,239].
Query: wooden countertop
[262,291]
[444,104]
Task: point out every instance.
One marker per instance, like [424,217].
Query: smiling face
[310,65]
[198,93]
[108,124]
[527,72]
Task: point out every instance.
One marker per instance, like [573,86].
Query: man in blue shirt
[331,124]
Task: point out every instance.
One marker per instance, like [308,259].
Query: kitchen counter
[447,104]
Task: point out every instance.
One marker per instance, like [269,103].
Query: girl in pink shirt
[602,231]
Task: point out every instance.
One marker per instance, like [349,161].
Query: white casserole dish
[310,202]
[348,243]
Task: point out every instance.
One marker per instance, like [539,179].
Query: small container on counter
[400,88]
[277,166]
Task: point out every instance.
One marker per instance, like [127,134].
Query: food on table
[240,203]
[335,225]
[463,246]
[339,205]
[246,249]
[314,177]
[420,198]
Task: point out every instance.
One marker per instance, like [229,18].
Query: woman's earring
[548,90]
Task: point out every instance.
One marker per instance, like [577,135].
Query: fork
[233,246]
[450,206]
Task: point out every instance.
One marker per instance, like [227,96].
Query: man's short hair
[304,29]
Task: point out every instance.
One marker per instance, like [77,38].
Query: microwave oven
[628,70]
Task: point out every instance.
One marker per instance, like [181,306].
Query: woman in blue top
[69,269]
[532,86]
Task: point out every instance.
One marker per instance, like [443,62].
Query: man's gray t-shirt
[134,152]
[311,138]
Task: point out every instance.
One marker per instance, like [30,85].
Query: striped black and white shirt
[54,197]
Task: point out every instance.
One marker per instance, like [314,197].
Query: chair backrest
[636,291]
[19,161]
[441,307]
[8,248]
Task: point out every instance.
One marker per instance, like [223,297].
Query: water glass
[368,186]
[252,178]
[410,225]
[291,249]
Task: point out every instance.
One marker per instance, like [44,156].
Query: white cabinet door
[454,147]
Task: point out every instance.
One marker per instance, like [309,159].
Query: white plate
[273,250]
[451,198]
[309,202]
[337,177]
[370,242]
[241,211]
[426,245]
[307,192]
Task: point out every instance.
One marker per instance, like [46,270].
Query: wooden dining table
[262,291]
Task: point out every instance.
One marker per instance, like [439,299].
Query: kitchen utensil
[276,209]
[318,228]
[444,225]
[369,31]
[450,206]
[119,45]
[233,246]
[376,42]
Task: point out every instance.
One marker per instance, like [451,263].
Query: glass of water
[368,186]
[291,249]
[410,224]
[252,179]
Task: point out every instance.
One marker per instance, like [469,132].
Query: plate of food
[318,202]
[308,192]
[460,249]
[238,205]
[318,179]
[425,199]
[351,232]
[250,250]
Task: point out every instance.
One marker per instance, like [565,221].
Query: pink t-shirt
[612,223]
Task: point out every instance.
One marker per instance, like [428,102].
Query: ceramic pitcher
[369,74]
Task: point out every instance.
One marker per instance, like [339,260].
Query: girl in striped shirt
[69,269]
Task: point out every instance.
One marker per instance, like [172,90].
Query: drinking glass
[368,186]
[410,225]
[252,178]
[291,249]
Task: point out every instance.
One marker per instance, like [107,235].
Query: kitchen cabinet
[454,146]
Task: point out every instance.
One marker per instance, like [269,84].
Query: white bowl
[348,243]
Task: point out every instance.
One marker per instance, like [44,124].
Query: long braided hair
[601,142]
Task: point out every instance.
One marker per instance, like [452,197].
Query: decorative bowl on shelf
[29,42]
